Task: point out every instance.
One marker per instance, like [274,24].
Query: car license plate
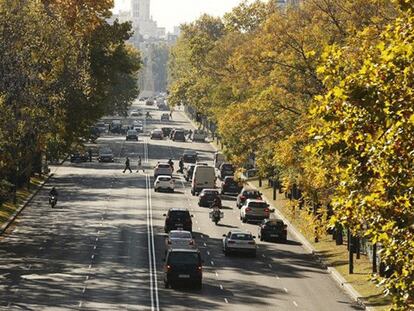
[184,276]
[274,235]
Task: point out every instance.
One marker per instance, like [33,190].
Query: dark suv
[178,218]
[230,186]
[226,169]
[273,229]
[183,266]
[247,193]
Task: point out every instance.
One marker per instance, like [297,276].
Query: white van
[204,176]
[219,158]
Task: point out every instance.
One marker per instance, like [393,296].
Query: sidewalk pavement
[29,199]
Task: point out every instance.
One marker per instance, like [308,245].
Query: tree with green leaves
[366,121]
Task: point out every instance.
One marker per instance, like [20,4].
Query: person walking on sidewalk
[127,165]
[139,167]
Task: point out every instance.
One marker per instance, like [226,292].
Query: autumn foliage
[322,95]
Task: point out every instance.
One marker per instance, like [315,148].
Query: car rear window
[227,166]
[241,236]
[179,214]
[164,166]
[251,194]
[184,258]
[277,224]
[181,235]
[164,178]
[178,134]
[258,204]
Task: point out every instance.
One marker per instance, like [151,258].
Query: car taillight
[242,197]
[231,242]
[259,198]
[248,209]
[266,210]
[168,268]
[199,269]
[191,242]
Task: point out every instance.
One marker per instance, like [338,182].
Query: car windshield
[132,133]
[179,134]
[241,236]
[179,214]
[184,258]
[164,166]
[180,235]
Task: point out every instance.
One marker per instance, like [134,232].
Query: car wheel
[261,238]
[244,220]
[155,189]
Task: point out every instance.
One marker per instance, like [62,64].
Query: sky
[170,13]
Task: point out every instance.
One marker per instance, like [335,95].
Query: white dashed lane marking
[285,289]
[225,300]
[221,287]
[295,303]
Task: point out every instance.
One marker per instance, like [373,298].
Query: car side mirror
[192,215]
[224,235]
[254,237]
[164,215]
[272,210]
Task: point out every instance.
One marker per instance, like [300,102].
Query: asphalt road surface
[102,247]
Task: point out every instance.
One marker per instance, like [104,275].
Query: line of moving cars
[183,263]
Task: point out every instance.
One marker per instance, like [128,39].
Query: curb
[336,276]
[13,217]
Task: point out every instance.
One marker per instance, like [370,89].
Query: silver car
[179,239]
[239,241]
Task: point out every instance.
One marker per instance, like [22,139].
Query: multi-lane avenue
[102,247]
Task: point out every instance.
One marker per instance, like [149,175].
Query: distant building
[142,20]
[176,31]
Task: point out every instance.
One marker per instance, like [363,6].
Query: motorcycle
[52,201]
[216,216]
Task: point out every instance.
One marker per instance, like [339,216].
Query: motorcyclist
[148,115]
[181,165]
[53,193]
[215,209]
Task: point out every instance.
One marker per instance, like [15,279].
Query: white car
[254,210]
[179,239]
[135,113]
[162,169]
[164,182]
[239,241]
